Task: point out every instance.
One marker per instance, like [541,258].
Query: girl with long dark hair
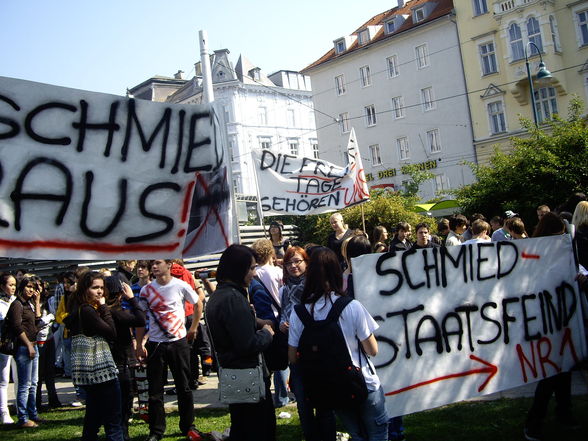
[7,292]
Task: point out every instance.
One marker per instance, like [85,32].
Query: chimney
[179,75]
[198,68]
[400,3]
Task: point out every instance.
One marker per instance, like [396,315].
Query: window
[496,117]
[534,34]
[554,33]
[370,115]
[290,116]
[427,99]
[582,18]
[364,75]
[390,27]
[441,182]
[340,84]
[363,37]
[488,58]
[344,122]
[422,56]
[403,152]
[293,144]
[418,15]
[340,46]
[392,66]
[434,142]
[516,42]
[262,116]
[315,148]
[545,103]
[265,142]
[375,153]
[480,7]
[398,107]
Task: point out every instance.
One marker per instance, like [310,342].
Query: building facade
[272,112]
[398,80]
[496,39]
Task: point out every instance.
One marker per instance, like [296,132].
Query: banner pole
[259,209]
[363,218]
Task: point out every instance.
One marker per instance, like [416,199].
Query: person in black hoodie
[123,352]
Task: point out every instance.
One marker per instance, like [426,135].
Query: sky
[108,46]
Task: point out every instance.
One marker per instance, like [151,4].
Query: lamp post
[542,73]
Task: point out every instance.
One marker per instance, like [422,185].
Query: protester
[322,289]
[357,246]
[46,348]
[401,240]
[580,221]
[280,245]
[498,231]
[468,234]
[124,271]
[7,296]
[443,230]
[515,228]
[379,239]
[340,232]
[238,340]
[480,230]
[560,384]
[423,237]
[163,301]
[458,224]
[24,317]
[143,276]
[123,351]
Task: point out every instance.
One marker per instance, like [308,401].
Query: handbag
[7,340]
[91,360]
[238,386]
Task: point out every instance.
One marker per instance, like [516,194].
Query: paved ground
[206,396]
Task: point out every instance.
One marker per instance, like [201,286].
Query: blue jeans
[370,421]
[28,371]
[103,407]
[281,388]
[319,427]
[67,357]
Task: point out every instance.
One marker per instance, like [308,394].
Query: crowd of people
[261,307]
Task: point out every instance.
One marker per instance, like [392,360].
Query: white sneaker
[284,415]
[76,404]
[6,419]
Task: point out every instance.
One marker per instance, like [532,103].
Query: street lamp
[542,73]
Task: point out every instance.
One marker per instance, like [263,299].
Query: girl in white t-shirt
[323,287]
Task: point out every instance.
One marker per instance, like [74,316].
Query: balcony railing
[505,6]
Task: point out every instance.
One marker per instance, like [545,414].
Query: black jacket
[232,324]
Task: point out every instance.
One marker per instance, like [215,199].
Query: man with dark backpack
[330,339]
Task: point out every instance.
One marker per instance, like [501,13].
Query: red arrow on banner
[490,369]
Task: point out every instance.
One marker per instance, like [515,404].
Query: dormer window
[255,73]
[340,46]
[418,15]
[364,37]
[390,26]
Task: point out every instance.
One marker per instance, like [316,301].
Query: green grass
[500,420]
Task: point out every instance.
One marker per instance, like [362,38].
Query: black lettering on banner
[458,331]
[380,339]
[481,246]
[445,254]
[43,139]
[434,266]
[467,309]
[405,256]
[176,166]
[384,272]
[83,125]
[168,221]
[3,223]
[507,318]
[499,246]
[193,144]
[527,319]
[543,313]
[568,312]
[488,319]
[122,189]
[266,153]
[132,119]
[15,128]
[405,313]
[435,338]
[18,195]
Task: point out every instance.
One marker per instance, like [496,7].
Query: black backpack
[329,378]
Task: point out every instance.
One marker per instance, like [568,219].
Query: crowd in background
[151,314]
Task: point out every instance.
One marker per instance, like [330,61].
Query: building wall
[509,84]
[450,115]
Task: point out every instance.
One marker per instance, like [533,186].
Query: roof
[440,9]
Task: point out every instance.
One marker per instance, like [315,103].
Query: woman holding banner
[340,232]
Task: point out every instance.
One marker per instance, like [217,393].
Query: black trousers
[126,397]
[176,355]
[254,422]
[561,386]
[47,373]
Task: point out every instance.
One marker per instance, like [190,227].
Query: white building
[398,80]
[273,112]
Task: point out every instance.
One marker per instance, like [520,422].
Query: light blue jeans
[28,375]
[281,388]
[370,421]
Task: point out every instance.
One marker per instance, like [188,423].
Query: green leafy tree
[417,175]
[546,167]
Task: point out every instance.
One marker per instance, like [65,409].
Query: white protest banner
[85,175]
[469,320]
[297,185]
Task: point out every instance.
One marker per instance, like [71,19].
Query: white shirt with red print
[164,306]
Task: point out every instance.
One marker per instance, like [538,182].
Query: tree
[544,168]
[418,175]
